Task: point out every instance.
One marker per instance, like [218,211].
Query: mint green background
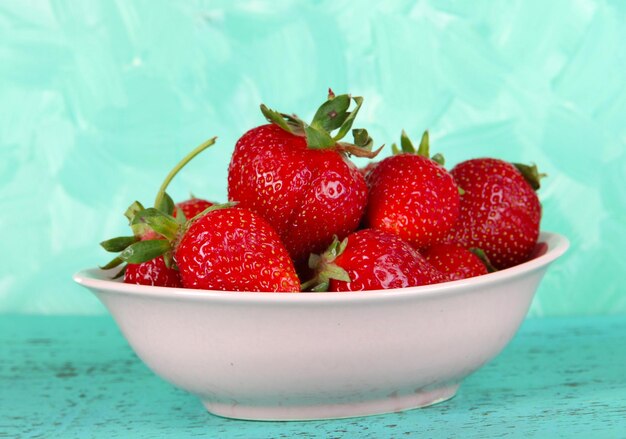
[98,99]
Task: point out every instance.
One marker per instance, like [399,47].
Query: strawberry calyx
[166,231]
[330,116]
[407,147]
[531,174]
[154,229]
[325,268]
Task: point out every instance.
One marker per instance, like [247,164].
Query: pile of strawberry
[302,217]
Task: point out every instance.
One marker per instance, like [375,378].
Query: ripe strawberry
[455,262]
[234,249]
[370,260]
[298,178]
[153,272]
[412,195]
[192,207]
[226,248]
[221,247]
[500,211]
[156,272]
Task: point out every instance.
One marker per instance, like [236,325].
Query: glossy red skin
[412,197]
[454,261]
[193,207]
[377,260]
[500,211]
[306,195]
[233,249]
[154,273]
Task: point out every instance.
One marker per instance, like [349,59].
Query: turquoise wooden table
[75,377]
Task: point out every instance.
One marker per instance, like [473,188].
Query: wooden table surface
[75,377]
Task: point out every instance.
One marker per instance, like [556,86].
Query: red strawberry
[227,248]
[412,195]
[500,211]
[156,272]
[223,248]
[370,260]
[298,178]
[234,249]
[455,262]
[153,272]
[192,207]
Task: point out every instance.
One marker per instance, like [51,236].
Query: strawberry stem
[309,283]
[332,115]
[325,269]
[161,194]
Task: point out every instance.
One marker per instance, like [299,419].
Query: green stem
[308,284]
[178,167]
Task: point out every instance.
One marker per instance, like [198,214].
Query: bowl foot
[392,403]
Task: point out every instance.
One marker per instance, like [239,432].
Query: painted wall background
[99,99]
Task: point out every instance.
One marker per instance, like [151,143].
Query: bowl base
[390,404]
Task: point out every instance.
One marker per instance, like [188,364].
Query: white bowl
[279,356]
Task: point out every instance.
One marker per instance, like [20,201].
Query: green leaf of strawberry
[347,124]
[284,121]
[143,251]
[112,264]
[160,222]
[331,115]
[318,138]
[166,204]
[118,244]
[531,174]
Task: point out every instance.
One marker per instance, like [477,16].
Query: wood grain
[75,377]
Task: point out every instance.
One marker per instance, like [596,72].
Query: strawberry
[500,211]
[156,271]
[192,207]
[297,176]
[220,248]
[454,261]
[225,248]
[412,195]
[370,259]
[234,249]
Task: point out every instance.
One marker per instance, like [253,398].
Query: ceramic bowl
[275,356]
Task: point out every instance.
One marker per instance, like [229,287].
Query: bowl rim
[91,278]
